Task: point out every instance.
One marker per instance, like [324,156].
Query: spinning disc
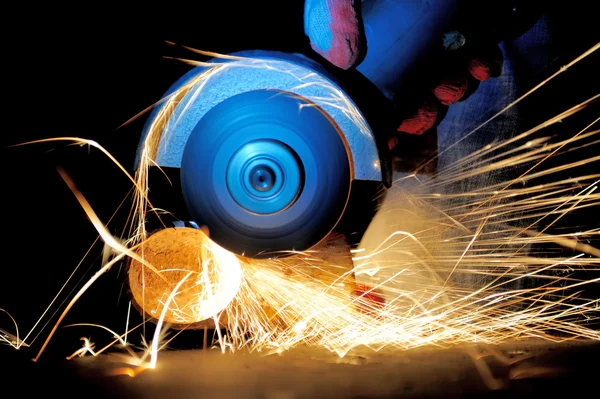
[266,171]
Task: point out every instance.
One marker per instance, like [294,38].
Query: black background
[86,69]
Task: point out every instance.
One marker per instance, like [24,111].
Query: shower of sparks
[470,256]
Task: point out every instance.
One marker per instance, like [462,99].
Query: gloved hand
[335,30]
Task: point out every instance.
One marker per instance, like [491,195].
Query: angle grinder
[274,151]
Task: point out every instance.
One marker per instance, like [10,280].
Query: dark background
[83,71]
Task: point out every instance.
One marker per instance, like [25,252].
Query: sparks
[452,266]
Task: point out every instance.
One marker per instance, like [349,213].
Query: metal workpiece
[535,369]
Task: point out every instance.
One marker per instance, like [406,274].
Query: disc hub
[265,176]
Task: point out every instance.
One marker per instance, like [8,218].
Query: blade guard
[247,71]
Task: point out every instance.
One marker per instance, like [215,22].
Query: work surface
[538,368]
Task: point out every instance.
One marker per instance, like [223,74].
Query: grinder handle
[399,33]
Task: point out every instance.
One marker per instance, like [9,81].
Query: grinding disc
[267,172]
